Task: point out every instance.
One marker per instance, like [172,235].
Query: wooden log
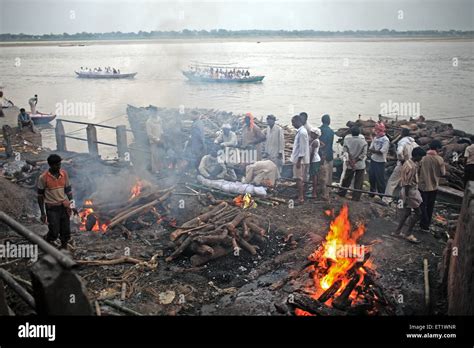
[313,306]
[180,249]
[198,260]
[237,220]
[255,228]
[247,246]
[342,301]
[213,239]
[132,213]
[196,221]
[201,249]
[326,295]
[246,231]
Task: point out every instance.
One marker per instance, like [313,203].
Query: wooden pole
[60,136]
[427,283]
[7,134]
[92,140]
[122,146]
[62,259]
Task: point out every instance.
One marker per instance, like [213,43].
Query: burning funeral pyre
[342,275]
[145,205]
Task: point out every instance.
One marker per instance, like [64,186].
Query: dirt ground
[231,285]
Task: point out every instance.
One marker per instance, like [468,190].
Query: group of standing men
[312,155]
[417,174]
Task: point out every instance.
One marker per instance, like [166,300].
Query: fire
[340,251]
[136,190]
[84,215]
[239,201]
[301,313]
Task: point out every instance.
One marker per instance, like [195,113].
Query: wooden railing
[91,133]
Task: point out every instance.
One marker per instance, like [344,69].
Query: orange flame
[340,250]
[136,190]
[302,313]
[239,201]
[85,213]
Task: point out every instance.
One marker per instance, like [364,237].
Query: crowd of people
[106,70]
[416,176]
[219,73]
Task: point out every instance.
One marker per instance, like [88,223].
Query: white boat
[103,75]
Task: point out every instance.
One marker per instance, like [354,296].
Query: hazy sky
[71,16]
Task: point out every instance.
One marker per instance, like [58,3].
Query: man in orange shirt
[54,199]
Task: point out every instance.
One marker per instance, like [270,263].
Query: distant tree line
[223,33]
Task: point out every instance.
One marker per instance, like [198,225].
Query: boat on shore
[41,118]
[210,73]
[104,75]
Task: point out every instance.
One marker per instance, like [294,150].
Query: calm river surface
[343,79]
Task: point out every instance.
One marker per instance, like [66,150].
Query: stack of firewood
[220,231]
[144,209]
[423,131]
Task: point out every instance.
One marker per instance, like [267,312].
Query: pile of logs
[367,296]
[221,230]
[144,209]
[423,131]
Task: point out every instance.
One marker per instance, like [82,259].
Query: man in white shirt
[356,149]
[300,156]
[227,137]
[275,142]
[404,149]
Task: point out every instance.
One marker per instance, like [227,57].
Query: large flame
[339,241]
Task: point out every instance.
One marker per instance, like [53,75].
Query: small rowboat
[197,78]
[40,118]
[104,75]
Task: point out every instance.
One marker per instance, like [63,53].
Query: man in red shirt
[54,199]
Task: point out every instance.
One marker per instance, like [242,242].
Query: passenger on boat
[24,120]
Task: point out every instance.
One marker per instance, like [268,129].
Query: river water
[343,79]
